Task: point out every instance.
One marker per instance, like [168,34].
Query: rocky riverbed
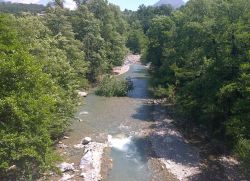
[134,139]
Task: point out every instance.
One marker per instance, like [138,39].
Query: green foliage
[112,29]
[243,151]
[168,93]
[136,41]
[26,102]
[146,14]
[111,86]
[200,58]
[101,27]
[43,60]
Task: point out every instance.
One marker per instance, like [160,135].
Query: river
[144,145]
[125,120]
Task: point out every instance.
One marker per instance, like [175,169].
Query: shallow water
[121,120]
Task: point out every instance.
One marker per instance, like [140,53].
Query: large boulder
[64,167]
[82,94]
[91,161]
[86,140]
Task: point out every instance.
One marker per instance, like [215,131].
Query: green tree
[27,107]
[200,54]
[136,41]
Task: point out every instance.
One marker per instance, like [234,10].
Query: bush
[34,108]
[243,151]
[111,86]
[161,92]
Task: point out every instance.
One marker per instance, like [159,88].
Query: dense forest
[200,62]
[200,57]
[43,61]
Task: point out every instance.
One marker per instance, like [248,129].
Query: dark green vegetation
[18,8]
[111,86]
[200,58]
[43,60]
[140,21]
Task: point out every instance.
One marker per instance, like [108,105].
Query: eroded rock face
[91,161]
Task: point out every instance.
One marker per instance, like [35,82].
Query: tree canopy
[200,62]
[43,61]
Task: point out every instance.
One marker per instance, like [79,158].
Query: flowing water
[125,123]
[120,121]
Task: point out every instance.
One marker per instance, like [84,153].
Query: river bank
[129,60]
[138,141]
[187,156]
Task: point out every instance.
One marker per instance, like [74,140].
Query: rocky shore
[90,165]
[130,59]
[181,157]
[91,161]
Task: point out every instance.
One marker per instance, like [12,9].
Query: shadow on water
[140,86]
[144,113]
[139,76]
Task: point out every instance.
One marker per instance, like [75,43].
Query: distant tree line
[43,61]
[17,8]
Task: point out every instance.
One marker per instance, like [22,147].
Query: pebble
[62,145]
[79,146]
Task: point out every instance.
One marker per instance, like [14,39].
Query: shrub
[243,151]
[111,86]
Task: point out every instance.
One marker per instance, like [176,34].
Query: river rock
[61,145]
[64,167]
[91,161]
[82,94]
[13,167]
[66,177]
[79,146]
[84,113]
[86,140]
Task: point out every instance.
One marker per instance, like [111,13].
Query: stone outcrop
[91,161]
